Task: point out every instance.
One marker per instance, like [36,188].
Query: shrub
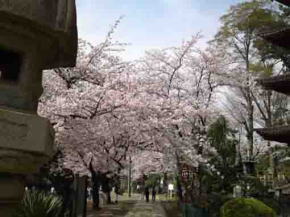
[271,202]
[246,207]
[216,200]
[39,204]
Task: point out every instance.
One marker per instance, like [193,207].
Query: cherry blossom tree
[176,101]
[146,162]
[179,95]
[87,106]
[106,111]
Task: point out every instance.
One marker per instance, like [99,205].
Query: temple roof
[279,83]
[278,134]
[284,2]
[279,37]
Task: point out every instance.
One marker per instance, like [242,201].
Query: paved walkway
[143,209]
[131,209]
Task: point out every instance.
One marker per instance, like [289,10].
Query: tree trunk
[251,128]
[96,186]
[130,177]
[96,195]
[179,189]
[109,200]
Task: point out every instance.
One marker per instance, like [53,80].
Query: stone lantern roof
[53,22]
[279,83]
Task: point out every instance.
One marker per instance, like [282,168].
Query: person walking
[147,194]
[153,194]
[142,192]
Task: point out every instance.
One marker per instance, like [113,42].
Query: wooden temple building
[279,83]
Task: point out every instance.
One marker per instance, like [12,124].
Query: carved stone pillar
[34,35]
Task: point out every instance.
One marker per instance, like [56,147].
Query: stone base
[26,143]
[25,132]
[12,190]
[17,162]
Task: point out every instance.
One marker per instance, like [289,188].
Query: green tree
[222,137]
[238,39]
[280,19]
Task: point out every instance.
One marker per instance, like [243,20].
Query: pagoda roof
[284,2]
[279,83]
[278,37]
[278,134]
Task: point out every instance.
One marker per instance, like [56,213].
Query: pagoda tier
[284,2]
[279,37]
[279,83]
[278,134]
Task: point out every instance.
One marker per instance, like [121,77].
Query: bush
[246,207]
[216,200]
[39,204]
[271,202]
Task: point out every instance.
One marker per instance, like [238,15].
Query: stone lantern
[34,35]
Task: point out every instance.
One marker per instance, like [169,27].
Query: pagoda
[279,84]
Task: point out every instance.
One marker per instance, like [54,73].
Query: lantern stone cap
[54,20]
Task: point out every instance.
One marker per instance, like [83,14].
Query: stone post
[34,35]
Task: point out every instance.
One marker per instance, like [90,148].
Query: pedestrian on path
[147,194]
[116,191]
[142,192]
[153,194]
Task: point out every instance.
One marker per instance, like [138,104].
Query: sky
[150,24]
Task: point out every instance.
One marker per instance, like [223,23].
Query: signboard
[170,187]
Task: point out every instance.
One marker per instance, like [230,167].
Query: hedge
[246,207]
